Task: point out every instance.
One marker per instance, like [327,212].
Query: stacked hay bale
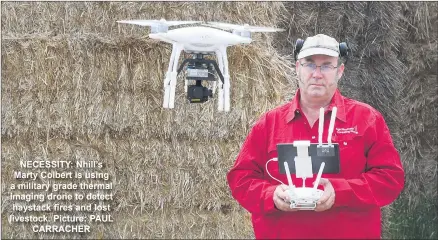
[76,85]
[392,67]
[415,215]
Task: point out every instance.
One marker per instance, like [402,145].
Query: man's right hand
[282,199]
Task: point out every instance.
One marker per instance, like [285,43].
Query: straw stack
[76,85]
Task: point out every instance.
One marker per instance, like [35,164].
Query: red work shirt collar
[337,100]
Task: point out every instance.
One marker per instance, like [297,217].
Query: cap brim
[317,51]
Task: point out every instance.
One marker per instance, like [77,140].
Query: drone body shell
[200,39]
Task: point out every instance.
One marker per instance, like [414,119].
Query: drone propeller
[157,22]
[245,27]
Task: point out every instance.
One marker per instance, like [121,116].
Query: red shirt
[371,174]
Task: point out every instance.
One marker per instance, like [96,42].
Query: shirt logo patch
[347,130]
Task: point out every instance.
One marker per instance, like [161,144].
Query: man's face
[322,82]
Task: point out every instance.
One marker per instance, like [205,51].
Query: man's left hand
[328,197]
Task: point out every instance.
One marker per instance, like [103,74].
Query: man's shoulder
[278,112]
[275,114]
[359,107]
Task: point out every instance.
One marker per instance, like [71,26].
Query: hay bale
[78,86]
[417,102]
[193,182]
[97,86]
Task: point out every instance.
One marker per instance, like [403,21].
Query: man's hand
[282,199]
[328,197]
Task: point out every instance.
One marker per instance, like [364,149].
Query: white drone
[204,38]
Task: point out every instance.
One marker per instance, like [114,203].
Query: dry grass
[115,87]
[78,86]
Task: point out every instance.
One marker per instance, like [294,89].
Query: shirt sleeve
[246,177]
[383,179]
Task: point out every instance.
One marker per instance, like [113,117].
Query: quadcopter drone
[199,39]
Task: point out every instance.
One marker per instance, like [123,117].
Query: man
[371,174]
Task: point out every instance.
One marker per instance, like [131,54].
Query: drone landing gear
[170,80]
[224,88]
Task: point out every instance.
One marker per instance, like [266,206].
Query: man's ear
[340,71]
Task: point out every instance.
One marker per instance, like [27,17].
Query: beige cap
[319,44]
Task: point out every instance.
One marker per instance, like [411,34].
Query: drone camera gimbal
[200,69]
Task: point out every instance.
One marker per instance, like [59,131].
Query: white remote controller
[304,198]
